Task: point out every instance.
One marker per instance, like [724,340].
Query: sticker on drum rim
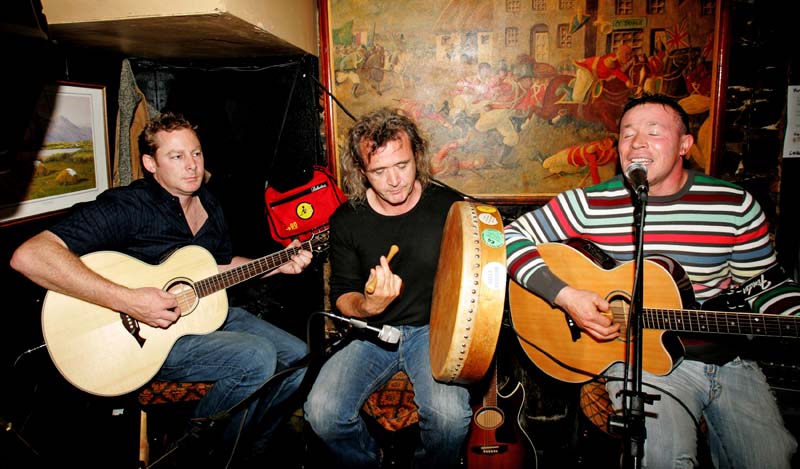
[492,237]
[485,208]
[487,219]
[494,275]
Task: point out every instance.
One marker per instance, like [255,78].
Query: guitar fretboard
[249,270]
[717,322]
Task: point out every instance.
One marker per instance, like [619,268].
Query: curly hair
[378,128]
[166,122]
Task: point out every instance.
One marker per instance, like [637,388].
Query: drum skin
[468,293]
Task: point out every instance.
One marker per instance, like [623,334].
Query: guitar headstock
[320,240]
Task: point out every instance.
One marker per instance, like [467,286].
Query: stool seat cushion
[165,392]
[596,404]
[392,405]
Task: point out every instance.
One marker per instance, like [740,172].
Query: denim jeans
[745,427]
[348,377]
[239,358]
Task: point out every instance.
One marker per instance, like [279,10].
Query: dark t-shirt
[360,236]
[144,221]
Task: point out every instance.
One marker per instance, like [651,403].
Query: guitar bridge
[490,449]
[574,330]
[132,326]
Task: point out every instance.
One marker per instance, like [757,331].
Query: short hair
[165,122]
[380,127]
[655,98]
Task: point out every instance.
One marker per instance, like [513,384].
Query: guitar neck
[718,322]
[490,398]
[249,270]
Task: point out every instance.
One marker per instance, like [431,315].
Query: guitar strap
[772,292]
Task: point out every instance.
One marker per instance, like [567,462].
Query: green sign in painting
[629,23]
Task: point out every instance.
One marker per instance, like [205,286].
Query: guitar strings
[246,271]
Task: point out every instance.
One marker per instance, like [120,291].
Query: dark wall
[38,411]
[762,65]
[258,122]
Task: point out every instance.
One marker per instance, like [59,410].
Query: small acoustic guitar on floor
[497,439]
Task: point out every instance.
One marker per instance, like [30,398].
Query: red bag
[298,212]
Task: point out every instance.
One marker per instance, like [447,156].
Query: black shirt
[360,236]
[144,221]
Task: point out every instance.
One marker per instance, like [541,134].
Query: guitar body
[91,345]
[108,353]
[496,439]
[548,328]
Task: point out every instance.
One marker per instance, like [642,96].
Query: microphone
[636,173]
[388,334]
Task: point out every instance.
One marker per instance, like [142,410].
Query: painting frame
[64,157]
[710,113]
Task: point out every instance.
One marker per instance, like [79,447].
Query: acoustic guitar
[497,439]
[560,349]
[109,353]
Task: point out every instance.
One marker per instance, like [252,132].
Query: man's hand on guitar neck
[296,264]
[590,311]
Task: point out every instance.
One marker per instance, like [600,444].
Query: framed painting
[63,159]
[520,100]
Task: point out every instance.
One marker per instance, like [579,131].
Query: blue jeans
[745,427]
[353,373]
[239,358]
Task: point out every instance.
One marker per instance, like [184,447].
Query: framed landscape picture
[63,159]
[521,100]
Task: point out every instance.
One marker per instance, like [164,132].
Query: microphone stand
[634,399]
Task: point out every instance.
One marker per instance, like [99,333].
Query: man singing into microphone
[391,201]
[719,234]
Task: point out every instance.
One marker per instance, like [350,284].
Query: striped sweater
[714,229]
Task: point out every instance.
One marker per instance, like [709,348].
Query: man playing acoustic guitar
[719,235]
[149,220]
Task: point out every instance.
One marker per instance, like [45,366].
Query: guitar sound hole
[184,290]
[489,418]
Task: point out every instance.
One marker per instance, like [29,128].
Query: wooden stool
[164,392]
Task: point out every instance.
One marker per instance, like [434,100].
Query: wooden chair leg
[144,443]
